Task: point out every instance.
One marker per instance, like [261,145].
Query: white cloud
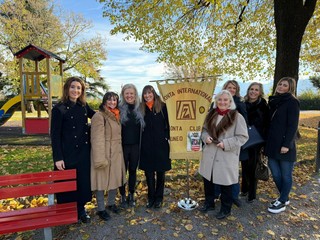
[125,63]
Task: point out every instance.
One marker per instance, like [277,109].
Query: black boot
[131,200]
[123,201]
[206,207]
[223,214]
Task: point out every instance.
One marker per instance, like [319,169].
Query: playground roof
[35,53]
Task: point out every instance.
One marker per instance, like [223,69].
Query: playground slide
[9,108]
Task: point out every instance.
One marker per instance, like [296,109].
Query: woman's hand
[209,140]
[101,165]
[284,150]
[220,145]
[60,165]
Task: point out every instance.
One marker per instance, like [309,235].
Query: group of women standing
[125,134]
[225,131]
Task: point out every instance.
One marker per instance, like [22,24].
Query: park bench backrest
[39,183]
[32,184]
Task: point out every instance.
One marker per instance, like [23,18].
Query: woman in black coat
[234,88]
[154,158]
[257,112]
[280,146]
[71,143]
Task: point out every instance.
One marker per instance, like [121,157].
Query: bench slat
[32,184]
[37,177]
[28,211]
[38,189]
[41,217]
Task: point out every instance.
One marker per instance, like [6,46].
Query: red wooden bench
[33,184]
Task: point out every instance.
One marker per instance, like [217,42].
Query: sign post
[188,101]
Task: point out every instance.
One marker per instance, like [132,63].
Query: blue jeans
[282,176]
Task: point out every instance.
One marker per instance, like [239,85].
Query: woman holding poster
[223,133]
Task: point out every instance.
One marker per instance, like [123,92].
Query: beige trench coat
[107,164]
[223,164]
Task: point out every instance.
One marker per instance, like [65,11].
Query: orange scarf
[150,104]
[116,112]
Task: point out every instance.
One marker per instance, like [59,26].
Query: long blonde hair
[246,97]
[234,83]
[292,85]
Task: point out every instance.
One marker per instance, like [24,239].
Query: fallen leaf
[271,233]
[303,196]
[189,227]
[200,235]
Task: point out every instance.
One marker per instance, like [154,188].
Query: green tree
[40,23]
[315,80]
[239,38]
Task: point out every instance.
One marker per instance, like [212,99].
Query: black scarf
[277,100]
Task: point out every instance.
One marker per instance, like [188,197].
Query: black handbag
[262,171]
[254,138]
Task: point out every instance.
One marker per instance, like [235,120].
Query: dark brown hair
[66,87]
[108,96]
[227,121]
[158,103]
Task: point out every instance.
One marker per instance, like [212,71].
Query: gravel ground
[301,220]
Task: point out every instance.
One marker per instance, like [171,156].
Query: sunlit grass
[18,159]
[22,159]
[17,115]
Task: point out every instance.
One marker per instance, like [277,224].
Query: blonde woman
[281,146]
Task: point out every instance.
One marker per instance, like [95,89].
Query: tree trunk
[291,20]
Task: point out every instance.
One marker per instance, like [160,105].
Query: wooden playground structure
[40,83]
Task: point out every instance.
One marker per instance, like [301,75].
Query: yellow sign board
[187,103]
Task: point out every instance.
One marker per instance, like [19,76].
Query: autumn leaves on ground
[301,220]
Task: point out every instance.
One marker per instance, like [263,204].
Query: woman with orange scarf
[107,164]
[154,159]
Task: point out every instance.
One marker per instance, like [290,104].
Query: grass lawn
[24,159]
[19,159]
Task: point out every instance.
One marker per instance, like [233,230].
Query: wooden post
[318,151]
[49,91]
[22,88]
[38,87]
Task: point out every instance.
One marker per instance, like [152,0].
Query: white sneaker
[277,207]
[286,203]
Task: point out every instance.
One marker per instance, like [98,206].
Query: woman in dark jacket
[234,88]
[154,159]
[257,111]
[280,146]
[132,124]
[71,143]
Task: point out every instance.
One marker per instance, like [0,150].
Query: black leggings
[249,181]
[155,181]
[131,161]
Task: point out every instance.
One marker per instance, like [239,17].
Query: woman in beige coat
[223,133]
[107,164]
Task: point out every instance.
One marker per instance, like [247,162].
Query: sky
[125,62]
